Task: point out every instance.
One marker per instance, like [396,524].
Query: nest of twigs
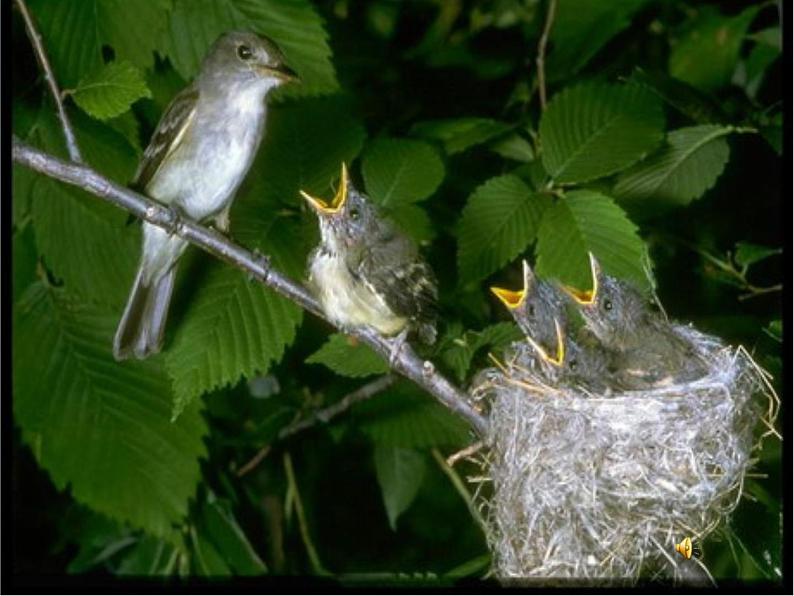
[590,488]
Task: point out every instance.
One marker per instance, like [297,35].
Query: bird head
[248,57]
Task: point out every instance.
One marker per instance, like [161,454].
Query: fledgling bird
[649,351]
[539,310]
[366,272]
[199,154]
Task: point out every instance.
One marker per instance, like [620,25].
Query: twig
[325,415]
[459,486]
[314,558]
[41,56]
[540,61]
[465,452]
[258,266]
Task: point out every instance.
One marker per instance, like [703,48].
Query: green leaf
[110,91]
[688,100]
[459,134]
[588,221]
[414,221]
[75,32]
[400,473]
[706,55]
[293,24]
[750,73]
[25,258]
[221,529]
[682,170]
[233,327]
[405,416]
[775,330]
[748,254]
[499,221]
[98,426]
[581,28]
[401,171]
[463,348]
[154,557]
[347,359]
[593,130]
[514,147]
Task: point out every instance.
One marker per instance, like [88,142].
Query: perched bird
[198,156]
[365,272]
[649,352]
[539,310]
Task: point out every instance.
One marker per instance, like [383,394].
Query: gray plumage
[199,154]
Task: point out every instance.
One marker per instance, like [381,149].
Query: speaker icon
[688,549]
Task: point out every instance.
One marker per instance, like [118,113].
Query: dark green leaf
[25,258]
[220,527]
[747,253]
[688,100]
[499,221]
[461,349]
[400,473]
[458,134]
[594,130]
[399,171]
[344,357]
[71,397]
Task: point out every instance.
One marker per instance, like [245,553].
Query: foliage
[660,141]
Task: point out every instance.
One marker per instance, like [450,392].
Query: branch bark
[540,61]
[407,363]
[41,56]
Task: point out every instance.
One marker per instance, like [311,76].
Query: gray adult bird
[366,272]
[649,351]
[199,154]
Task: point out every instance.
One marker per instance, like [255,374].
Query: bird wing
[396,272]
[168,135]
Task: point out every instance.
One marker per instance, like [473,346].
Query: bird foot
[397,345]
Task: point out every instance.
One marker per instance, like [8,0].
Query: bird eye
[354,214]
[607,305]
[244,52]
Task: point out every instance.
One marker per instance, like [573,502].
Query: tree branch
[364,392]
[540,61]
[407,363]
[41,56]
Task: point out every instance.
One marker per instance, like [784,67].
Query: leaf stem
[459,487]
[540,61]
[314,558]
[41,56]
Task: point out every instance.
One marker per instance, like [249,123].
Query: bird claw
[397,345]
[264,263]
[173,219]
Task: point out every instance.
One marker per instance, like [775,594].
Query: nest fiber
[591,487]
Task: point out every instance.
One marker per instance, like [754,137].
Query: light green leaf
[110,91]
[401,171]
[74,33]
[581,28]
[294,25]
[775,329]
[748,253]
[499,221]
[347,359]
[588,221]
[706,55]
[594,130]
[400,473]
[98,426]
[459,134]
[405,416]
[233,327]
[682,170]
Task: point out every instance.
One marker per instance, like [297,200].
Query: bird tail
[140,331]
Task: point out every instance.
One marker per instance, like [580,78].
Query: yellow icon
[687,548]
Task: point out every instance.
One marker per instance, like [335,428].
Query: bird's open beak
[557,359]
[512,299]
[283,72]
[336,204]
[587,297]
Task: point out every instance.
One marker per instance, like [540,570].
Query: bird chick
[366,272]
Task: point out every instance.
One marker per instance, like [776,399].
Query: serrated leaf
[688,100]
[71,397]
[706,55]
[499,221]
[349,360]
[588,221]
[233,327]
[581,28]
[400,171]
[514,147]
[748,253]
[462,349]
[459,134]
[414,221]
[400,473]
[110,91]
[594,130]
[74,33]
[682,170]
[294,25]
[404,416]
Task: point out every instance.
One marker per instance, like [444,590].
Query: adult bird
[366,272]
[199,154]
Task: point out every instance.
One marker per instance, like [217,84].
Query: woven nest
[600,488]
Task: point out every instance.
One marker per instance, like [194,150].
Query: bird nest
[596,488]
